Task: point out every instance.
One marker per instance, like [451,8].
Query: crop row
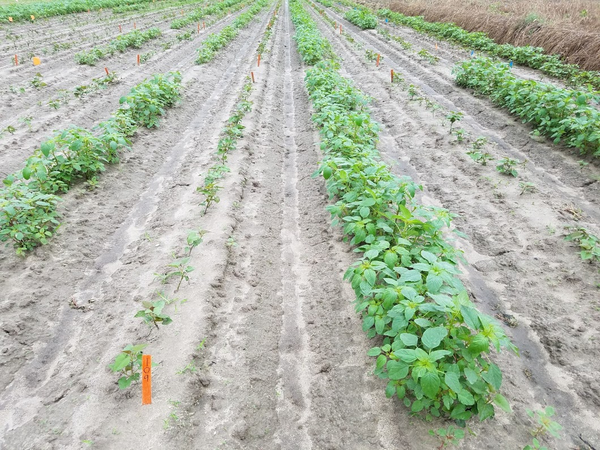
[565,115]
[529,56]
[128,363]
[217,41]
[433,341]
[200,13]
[28,203]
[41,9]
[134,39]
[362,18]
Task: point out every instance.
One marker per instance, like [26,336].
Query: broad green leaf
[381,360]
[410,340]
[432,337]
[479,344]
[502,402]
[430,383]
[406,355]
[370,276]
[375,351]
[493,376]
[430,257]
[397,370]
[465,397]
[471,375]
[410,276]
[452,381]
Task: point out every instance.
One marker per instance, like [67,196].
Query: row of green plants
[311,45]
[434,344]
[362,18]
[139,7]
[29,200]
[21,12]
[210,10]
[133,39]
[128,363]
[533,57]
[568,116]
[216,41]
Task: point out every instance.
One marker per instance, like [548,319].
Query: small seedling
[152,313]
[506,166]
[200,346]
[55,104]
[27,121]
[129,364]
[190,367]
[453,117]
[194,238]
[527,187]
[37,81]
[10,129]
[588,243]
[448,436]
[460,134]
[428,56]
[480,157]
[209,190]
[479,143]
[545,425]
[182,269]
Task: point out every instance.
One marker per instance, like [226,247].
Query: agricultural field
[331,227]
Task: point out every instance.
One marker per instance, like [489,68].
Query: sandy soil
[275,355]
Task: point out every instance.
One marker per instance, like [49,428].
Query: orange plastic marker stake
[204,25]
[138,59]
[392,75]
[340,28]
[134,27]
[106,70]
[252,74]
[258,65]
[10,19]
[36,61]
[120,29]
[378,59]
[146,379]
[16,60]
[436,46]
[32,17]
[198,27]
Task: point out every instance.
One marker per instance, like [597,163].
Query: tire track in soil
[85,113]
[511,258]
[71,348]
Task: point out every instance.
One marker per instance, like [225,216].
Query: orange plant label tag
[10,19]
[32,17]
[36,61]
[146,379]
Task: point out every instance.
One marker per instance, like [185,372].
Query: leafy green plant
[460,134]
[10,129]
[372,56]
[527,187]
[453,117]
[507,166]
[128,364]
[362,18]
[479,143]
[545,425]
[448,436]
[37,81]
[133,39]
[152,313]
[480,157]
[433,59]
[194,239]
[181,269]
[588,243]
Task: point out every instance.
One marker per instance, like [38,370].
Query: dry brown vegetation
[567,27]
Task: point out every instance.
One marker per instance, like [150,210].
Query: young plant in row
[128,364]
[362,18]
[133,39]
[217,41]
[203,12]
